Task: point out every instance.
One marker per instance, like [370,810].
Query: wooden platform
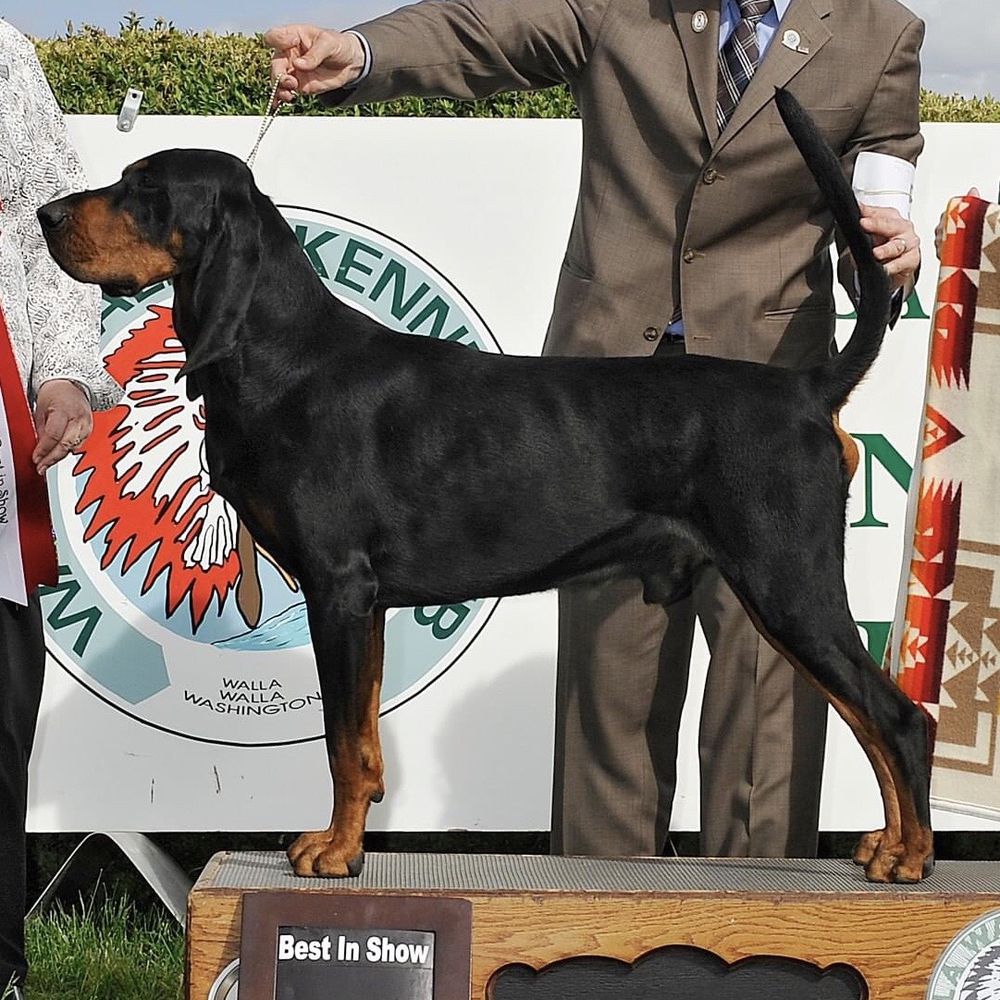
[540,910]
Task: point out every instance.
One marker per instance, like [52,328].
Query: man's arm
[464,49]
[891,124]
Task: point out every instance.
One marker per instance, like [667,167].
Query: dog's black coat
[387,470]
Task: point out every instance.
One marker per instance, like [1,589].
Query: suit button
[710,176]
[651,333]
[689,255]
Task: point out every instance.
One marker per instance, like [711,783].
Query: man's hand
[311,60]
[62,419]
[897,245]
[939,229]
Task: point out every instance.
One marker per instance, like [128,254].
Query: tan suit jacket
[670,213]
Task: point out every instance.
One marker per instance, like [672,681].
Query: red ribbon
[34,523]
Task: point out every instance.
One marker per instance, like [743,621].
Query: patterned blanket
[945,655]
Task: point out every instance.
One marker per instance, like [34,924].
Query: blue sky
[961,54]
[49,17]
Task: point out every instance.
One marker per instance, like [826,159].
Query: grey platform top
[492,873]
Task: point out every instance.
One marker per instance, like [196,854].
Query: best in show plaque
[548,928]
[299,946]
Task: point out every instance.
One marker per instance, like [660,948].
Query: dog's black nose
[53,215]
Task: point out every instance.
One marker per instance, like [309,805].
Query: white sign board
[164,710]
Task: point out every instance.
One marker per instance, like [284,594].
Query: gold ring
[901,240]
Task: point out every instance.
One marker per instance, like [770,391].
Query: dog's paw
[331,863]
[306,849]
[888,860]
[867,847]
[318,854]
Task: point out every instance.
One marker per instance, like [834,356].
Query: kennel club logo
[166,608]
[969,969]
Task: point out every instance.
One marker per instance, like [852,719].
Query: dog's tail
[836,378]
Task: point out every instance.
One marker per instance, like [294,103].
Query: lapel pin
[791,39]
[699,21]
[4,71]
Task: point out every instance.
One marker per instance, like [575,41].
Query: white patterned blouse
[54,322]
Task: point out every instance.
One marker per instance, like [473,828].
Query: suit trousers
[622,680]
[22,665]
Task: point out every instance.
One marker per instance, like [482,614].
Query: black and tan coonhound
[388,470]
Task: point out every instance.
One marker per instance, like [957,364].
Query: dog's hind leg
[349,654]
[807,619]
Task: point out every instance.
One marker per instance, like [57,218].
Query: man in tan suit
[693,216]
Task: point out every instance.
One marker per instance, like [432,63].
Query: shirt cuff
[367,67]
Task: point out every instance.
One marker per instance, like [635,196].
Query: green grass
[106,951]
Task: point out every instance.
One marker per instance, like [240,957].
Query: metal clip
[130,110]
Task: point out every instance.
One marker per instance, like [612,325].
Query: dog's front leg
[349,653]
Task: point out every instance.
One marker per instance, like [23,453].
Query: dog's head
[189,214]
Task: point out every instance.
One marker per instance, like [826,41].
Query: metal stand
[161,873]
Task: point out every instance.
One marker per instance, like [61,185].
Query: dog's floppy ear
[224,281]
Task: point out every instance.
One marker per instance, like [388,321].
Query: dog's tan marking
[104,245]
[900,850]
[848,447]
[357,769]
[371,681]
[908,859]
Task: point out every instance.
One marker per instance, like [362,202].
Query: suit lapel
[701,51]
[781,63]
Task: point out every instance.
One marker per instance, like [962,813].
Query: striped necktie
[739,58]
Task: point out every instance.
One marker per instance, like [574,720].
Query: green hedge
[941,108]
[185,72]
